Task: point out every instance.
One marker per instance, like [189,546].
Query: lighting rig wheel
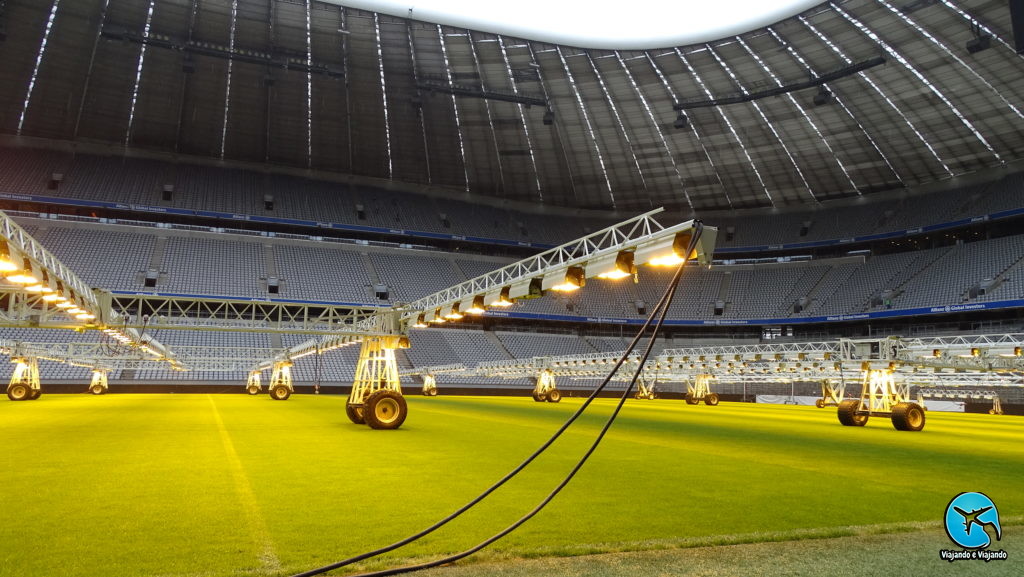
[385,409]
[34,394]
[991,411]
[554,395]
[650,396]
[97,389]
[691,400]
[18,392]
[540,397]
[639,395]
[253,390]
[848,414]
[355,414]
[907,417]
[432,393]
[711,399]
[280,393]
[820,403]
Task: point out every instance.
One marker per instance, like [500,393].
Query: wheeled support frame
[281,381]
[997,407]
[546,388]
[699,389]
[429,386]
[831,394]
[254,384]
[99,384]
[882,396]
[24,383]
[376,398]
[644,391]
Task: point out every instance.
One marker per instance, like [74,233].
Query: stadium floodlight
[565,280]
[499,298]
[7,261]
[421,322]
[42,287]
[436,317]
[526,289]
[477,306]
[612,267]
[670,251]
[453,313]
[23,275]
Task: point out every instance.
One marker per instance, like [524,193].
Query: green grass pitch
[206,485]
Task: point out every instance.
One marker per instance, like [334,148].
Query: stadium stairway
[494,340]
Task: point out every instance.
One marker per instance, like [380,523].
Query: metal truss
[433,370]
[23,243]
[25,309]
[235,314]
[103,356]
[626,235]
[842,360]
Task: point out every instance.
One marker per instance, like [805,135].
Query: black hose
[662,307]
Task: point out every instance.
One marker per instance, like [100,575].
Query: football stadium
[363,287]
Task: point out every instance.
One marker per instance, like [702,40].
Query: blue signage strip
[487,240]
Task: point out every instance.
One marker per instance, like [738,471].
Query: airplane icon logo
[967,517]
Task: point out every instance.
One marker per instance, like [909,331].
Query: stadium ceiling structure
[845,99]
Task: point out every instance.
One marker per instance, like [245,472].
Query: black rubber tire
[711,399]
[639,395]
[820,403]
[280,393]
[433,392]
[907,417]
[691,400]
[253,390]
[554,395]
[385,409]
[355,414]
[540,397]
[991,411]
[19,392]
[848,416]
[35,394]
[97,390]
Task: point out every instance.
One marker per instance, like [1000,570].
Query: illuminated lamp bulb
[622,268]
[24,275]
[85,316]
[421,322]
[666,252]
[438,317]
[454,314]
[477,307]
[503,298]
[7,262]
[574,279]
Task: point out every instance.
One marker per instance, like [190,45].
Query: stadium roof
[314,85]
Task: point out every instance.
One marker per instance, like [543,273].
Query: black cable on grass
[662,308]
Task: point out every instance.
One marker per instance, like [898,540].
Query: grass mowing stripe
[260,533]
